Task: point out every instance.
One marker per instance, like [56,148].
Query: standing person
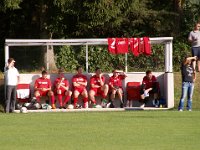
[188,78]
[62,89]
[12,79]
[194,39]
[149,88]
[115,84]
[79,82]
[98,87]
[43,88]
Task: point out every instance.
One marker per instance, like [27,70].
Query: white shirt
[12,75]
[195,35]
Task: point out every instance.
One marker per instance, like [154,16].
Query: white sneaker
[108,105]
[189,109]
[146,94]
[142,106]
[180,110]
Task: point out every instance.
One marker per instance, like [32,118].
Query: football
[70,106]
[23,110]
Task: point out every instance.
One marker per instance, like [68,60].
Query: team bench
[131,84]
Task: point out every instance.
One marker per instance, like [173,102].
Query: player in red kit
[79,87]
[61,89]
[98,87]
[149,88]
[43,87]
[115,85]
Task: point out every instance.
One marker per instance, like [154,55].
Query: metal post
[6,55]
[47,58]
[126,66]
[6,59]
[170,57]
[168,77]
[86,53]
[167,57]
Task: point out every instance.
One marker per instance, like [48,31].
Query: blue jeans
[187,90]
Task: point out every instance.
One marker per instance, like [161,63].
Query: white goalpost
[168,79]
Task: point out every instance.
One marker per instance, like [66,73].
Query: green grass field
[137,130]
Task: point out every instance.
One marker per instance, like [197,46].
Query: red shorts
[110,89]
[62,92]
[43,93]
[98,91]
[80,90]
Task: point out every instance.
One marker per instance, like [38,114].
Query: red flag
[112,45]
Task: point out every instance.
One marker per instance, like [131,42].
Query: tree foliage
[100,19]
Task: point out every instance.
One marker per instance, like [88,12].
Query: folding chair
[23,93]
[133,91]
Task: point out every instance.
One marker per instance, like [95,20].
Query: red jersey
[42,83]
[141,45]
[112,45]
[118,45]
[116,81]
[122,45]
[134,46]
[149,82]
[64,83]
[79,78]
[147,46]
[96,80]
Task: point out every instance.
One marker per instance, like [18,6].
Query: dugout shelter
[165,78]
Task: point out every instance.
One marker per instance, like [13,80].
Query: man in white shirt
[12,79]
[194,38]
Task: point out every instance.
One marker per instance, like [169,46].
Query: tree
[5,7]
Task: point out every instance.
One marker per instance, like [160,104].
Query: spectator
[12,79]
[188,78]
[43,88]
[149,89]
[98,87]
[194,38]
[62,89]
[115,86]
[79,87]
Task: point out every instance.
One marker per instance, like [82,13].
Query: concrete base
[92,110]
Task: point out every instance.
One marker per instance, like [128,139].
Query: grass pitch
[137,130]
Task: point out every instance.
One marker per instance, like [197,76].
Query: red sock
[60,99]
[94,101]
[38,99]
[85,99]
[75,101]
[52,99]
[67,98]
[103,95]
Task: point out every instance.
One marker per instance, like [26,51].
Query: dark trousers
[10,98]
